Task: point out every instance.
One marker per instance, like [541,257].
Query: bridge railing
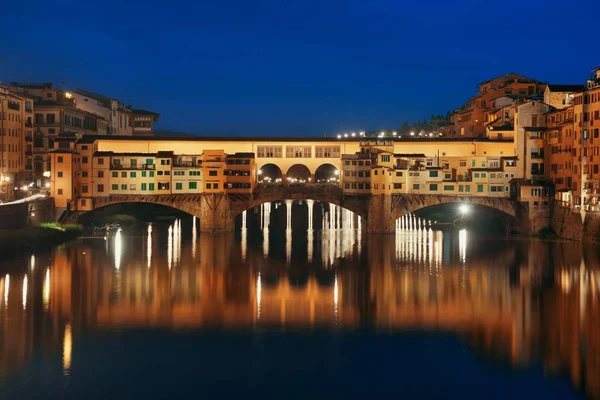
[317,189]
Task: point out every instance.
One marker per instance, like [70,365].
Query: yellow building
[107,166]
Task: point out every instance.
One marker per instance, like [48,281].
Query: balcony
[141,167]
[188,164]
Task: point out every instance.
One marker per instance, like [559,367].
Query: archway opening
[269,174]
[474,216]
[130,214]
[298,174]
[327,174]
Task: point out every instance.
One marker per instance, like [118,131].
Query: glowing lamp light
[259,172]
[345,135]
[339,136]
[46,174]
[353,134]
[412,134]
[395,133]
[464,209]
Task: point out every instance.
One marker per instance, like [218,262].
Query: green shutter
[193,185]
[132,174]
[479,188]
[143,174]
[115,187]
[115,174]
[151,174]
[178,186]
[149,161]
[151,186]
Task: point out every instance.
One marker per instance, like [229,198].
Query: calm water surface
[320,310]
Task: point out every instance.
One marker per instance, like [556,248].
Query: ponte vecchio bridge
[216,179]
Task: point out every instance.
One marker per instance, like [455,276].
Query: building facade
[103,167]
[471,119]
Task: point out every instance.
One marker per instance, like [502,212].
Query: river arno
[162,311]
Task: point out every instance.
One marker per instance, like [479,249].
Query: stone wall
[567,224]
[18,216]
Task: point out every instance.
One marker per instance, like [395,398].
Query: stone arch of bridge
[356,205]
[189,204]
[408,204]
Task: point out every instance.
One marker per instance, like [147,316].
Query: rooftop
[566,88]
[271,139]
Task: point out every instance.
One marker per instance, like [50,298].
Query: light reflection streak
[266,222]
[118,249]
[149,247]
[67,350]
[6,289]
[194,238]
[258,296]
[46,290]
[25,292]
[336,294]
[170,247]
[288,232]
[32,262]
[462,245]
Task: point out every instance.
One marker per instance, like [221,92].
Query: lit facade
[471,119]
[102,167]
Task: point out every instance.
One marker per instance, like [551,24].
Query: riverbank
[36,238]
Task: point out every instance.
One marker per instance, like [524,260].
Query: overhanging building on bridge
[91,171]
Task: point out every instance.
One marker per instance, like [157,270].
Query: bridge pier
[380,217]
[215,213]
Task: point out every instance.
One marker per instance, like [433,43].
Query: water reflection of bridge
[510,301]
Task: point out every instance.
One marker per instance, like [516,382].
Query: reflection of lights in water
[266,218]
[149,246]
[288,214]
[583,290]
[288,231]
[118,249]
[244,219]
[309,250]
[462,245]
[310,205]
[32,262]
[194,238]
[336,293]
[176,241]
[288,246]
[67,350]
[170,247]
[258,296]
[6,289]
[25,292]
[244,243]
[46,290]
[439,237]
[331,216]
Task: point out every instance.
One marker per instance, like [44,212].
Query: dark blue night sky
[284,67]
